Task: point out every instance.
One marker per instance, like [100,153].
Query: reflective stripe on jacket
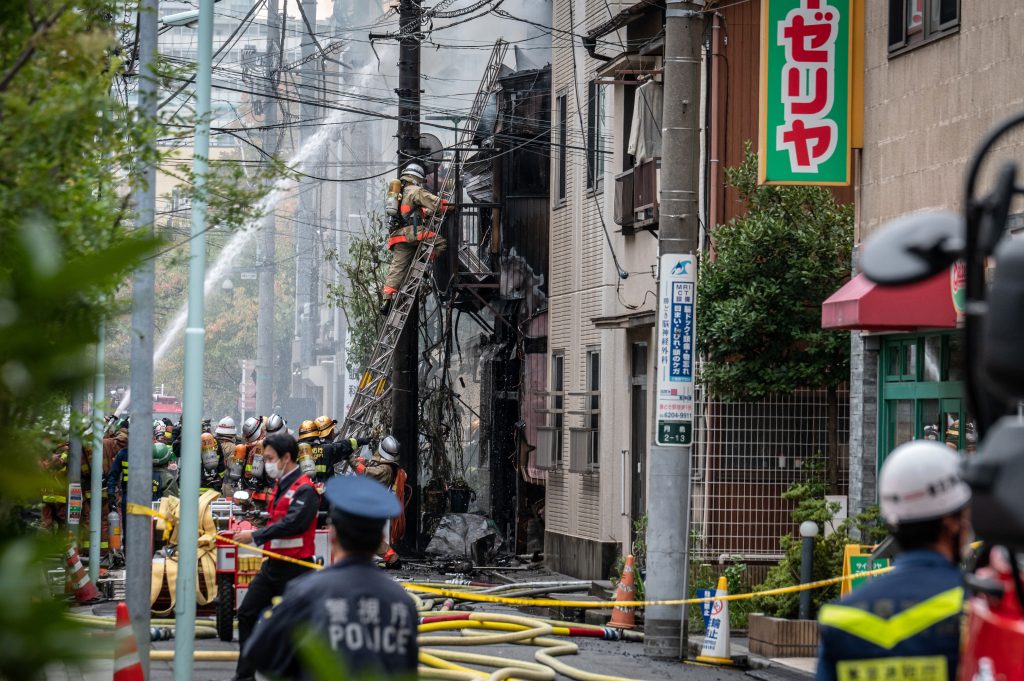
[417,205]
[905,624]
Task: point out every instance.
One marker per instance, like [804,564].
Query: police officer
[366,618]
[906,624]
[290,532]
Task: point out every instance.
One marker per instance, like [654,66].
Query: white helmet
[252,429]
[921,480]
[274,423]
[388,449]
[414,169]
[226,426]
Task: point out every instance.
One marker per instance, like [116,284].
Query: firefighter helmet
[162,454]
[415,170]
[308,431]
[388,449]
[226,427]
[274,423]
[252,429]
[325,425]
[921,481]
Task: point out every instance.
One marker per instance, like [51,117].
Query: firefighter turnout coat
[901,625]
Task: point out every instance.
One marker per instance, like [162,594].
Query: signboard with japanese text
[806,92]
[75,502]
[677,349]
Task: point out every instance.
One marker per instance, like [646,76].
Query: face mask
[272,471]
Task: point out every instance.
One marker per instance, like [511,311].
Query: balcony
[636,197]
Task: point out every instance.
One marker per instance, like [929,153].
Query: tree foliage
[809,502]
[364,267]
[65,146]
[760,292]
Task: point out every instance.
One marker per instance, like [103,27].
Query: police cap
[361,497]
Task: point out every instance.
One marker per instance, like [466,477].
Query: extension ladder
[375,382]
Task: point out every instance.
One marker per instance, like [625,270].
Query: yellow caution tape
[548,602]
[138,509]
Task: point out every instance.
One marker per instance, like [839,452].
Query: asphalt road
[607,657]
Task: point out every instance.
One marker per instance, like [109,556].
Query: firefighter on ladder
[410,207]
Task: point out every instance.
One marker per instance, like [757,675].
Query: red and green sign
[806,93]
[958,287]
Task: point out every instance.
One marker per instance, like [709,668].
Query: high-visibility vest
[299,546]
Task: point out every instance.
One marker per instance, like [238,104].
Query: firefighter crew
[366,618]
[290,532]
[309,433]
[275,423]
[906,624]
[385,469]
[409,229]
[212,476]
[254,480]
[165,471]
[227,438]
[332,454]
[55,502]
[226,433]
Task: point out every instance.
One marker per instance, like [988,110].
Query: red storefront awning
[861,304]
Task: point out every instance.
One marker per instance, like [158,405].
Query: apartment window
[915,22]
[595,134]
[558,402]
[562,130]
[593,403]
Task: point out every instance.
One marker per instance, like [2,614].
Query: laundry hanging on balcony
[645,130]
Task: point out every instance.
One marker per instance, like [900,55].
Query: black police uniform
[901,625]
[366,618]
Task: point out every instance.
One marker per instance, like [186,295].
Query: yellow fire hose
[438,663]
[477,629]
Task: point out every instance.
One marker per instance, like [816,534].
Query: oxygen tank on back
[237,464]
[393,201]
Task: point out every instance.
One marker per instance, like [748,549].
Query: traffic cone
[126,652]
[716,638]
[623,618]
[85,590]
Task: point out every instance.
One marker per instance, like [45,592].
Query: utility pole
[265,312]
[668,505]
[304,241]
[96,466]
[139,528]
[195,343]
[405,379]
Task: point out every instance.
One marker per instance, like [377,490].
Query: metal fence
[746,455]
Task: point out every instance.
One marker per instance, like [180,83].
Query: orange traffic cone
[623,618]
[85,590]
[126,652]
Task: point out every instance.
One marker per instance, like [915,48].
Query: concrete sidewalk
[768,669]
